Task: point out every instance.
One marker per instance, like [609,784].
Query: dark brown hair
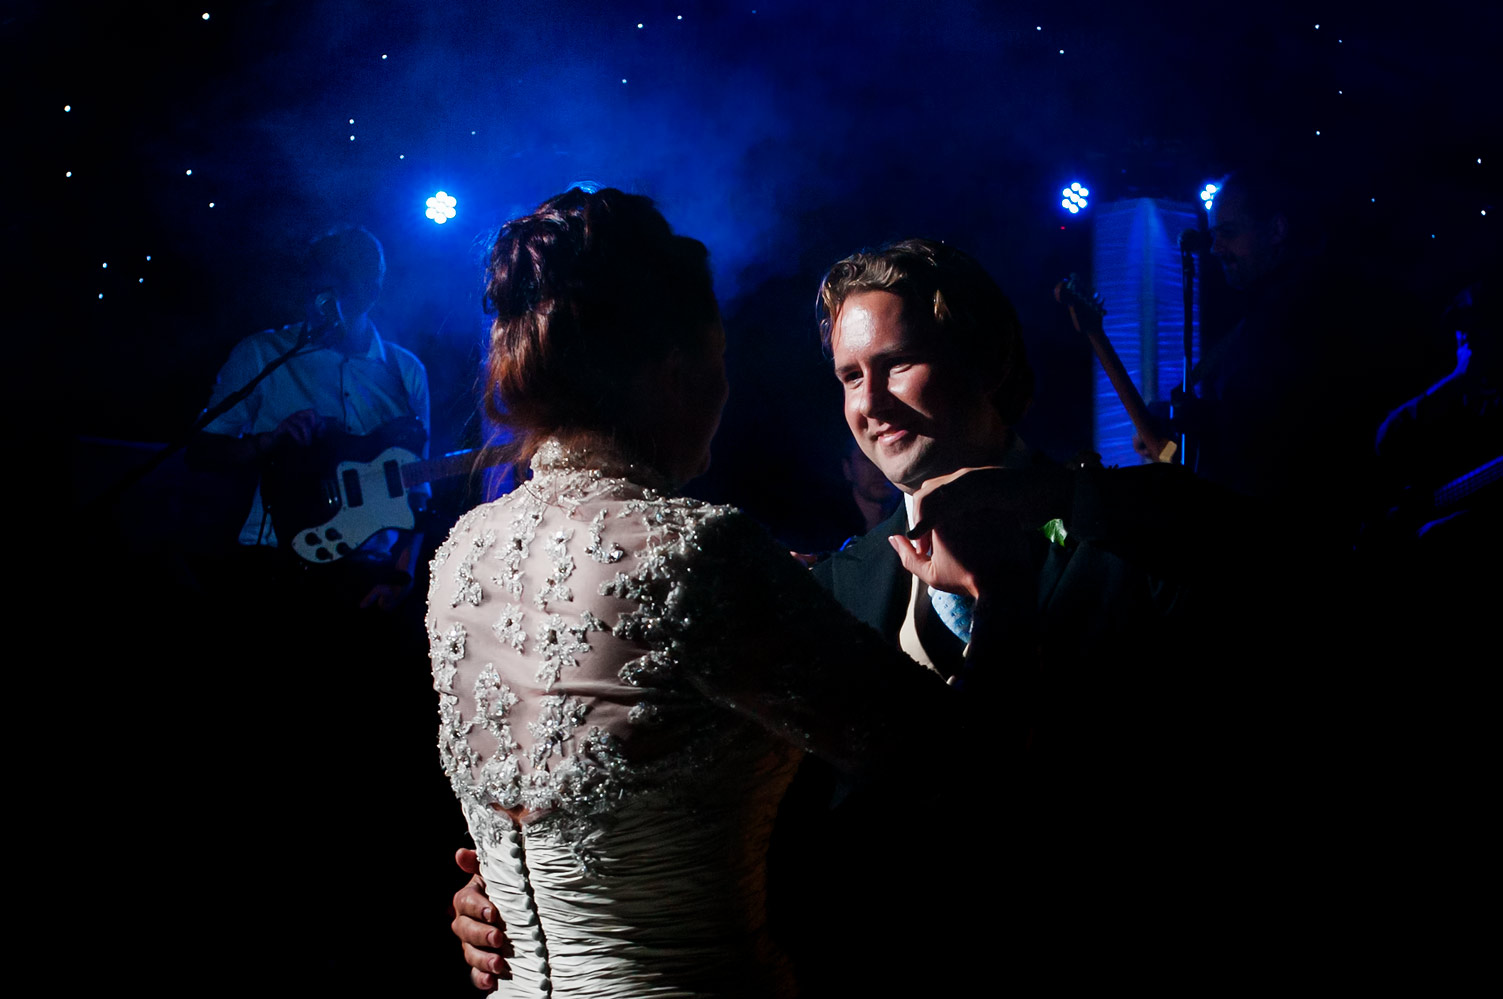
[350,258]
[968,307]
[585,291]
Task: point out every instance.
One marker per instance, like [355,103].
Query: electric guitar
[1086,310]
[1418,506]
[329,498]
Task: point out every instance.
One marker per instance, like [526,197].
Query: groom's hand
[479,927]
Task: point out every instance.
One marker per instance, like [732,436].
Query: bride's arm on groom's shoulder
[479,928]
[755,633]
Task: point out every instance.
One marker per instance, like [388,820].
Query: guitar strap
[389,356]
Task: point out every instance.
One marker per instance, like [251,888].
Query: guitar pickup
[352,492]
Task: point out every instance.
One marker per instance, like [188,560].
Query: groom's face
[914,407]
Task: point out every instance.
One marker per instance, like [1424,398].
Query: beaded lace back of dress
[555,651]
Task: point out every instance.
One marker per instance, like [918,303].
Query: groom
[930,355]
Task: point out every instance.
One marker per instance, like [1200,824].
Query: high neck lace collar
[597,459]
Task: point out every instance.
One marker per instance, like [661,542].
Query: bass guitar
[1086,311]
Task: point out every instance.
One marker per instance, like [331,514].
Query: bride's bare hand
[479,927]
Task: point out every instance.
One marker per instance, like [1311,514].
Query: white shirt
[1018,456]
[359,392]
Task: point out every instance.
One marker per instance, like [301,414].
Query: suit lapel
[868,579]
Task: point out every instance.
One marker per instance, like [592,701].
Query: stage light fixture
[441,207]
[1208,195]
[1074,198]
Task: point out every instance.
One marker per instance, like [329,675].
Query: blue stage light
[1074,198]
[441,207]
[1208,195]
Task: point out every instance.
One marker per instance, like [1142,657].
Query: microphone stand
[1187,244]
[308,338]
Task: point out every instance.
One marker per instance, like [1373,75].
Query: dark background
[783,134]
[784,137]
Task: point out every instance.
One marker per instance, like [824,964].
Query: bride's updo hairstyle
[586,291]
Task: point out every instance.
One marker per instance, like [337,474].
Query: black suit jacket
[1126,794]
[1090,601]
[896,868]
[868,579]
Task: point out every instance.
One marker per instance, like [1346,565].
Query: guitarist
[318,674]
[342,378]
[1289,397]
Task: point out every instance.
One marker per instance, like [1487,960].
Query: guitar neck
[1127,392]
[417,472]
[1464,487]
[1116,373]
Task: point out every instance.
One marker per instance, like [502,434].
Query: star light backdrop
[180,157]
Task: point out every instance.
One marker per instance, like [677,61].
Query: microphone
[1194,241]
[325,317]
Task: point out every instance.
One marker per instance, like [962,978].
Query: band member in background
[1456,424]
[343,377]
[1288,398]
[1441,457]
[274,634]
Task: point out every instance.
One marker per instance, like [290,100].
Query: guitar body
[329,498]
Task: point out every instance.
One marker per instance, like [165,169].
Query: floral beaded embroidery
[445,650]
[461,527]
[518,545]
[468,589]
[571,773]
[560,642]
[493,700]
[508,627]
[556,587]
[555,725]
[596,549]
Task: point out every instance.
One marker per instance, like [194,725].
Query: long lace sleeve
[754,632]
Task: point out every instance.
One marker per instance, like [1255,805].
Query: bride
[627,678]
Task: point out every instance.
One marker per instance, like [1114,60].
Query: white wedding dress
[635,676]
